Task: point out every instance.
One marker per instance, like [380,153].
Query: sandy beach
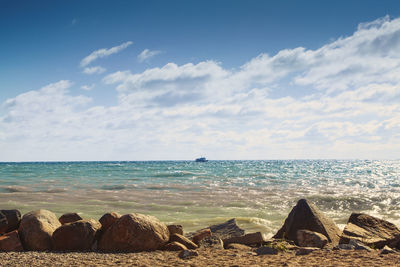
[207,257]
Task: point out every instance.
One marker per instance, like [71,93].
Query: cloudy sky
[161,80]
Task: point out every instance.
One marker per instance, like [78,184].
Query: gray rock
[308,217]
[188,254]
[227,229]
[306,238]
[371,231]
[211,242]
[266,251]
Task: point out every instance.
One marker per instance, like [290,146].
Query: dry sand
[207,257]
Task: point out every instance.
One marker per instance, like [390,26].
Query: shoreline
[307,237]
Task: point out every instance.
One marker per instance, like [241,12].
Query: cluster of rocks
[305,230]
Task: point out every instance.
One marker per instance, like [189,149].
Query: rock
[238,246]
[266,251]
[36,229]
[200,235]
[249,239]
[187,254]
[306,250]
[10,242]
[3,223]
[358,245]
[227,229]
[108,219]
[306,238]
[134,232]
[76,236]
[386,250]
[371,231]
[69,218]
[183,240]
[174,246]
[175,229]
[13,219]
[308,217]
[211,242]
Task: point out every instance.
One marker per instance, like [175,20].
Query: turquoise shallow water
[259,193]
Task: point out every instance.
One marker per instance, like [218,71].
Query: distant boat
[202,159]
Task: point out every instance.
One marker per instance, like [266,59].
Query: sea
[259,194]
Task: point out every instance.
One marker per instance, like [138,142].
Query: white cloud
[339,101]
[87,87]
[147,54]
[104,52]
[94,70]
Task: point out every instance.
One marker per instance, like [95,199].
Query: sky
[175,80]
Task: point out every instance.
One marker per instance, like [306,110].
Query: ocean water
[259,194]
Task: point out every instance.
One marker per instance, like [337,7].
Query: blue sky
[142,80]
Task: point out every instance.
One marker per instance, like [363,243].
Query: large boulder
[36,229]
[306,216]
[13,219]
[134,232]
[371,231]
[69,218]
[76,236]
[10,242]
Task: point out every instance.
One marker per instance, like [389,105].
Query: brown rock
[200,235]
[36,229]
[10,242]
[69,218]
[308,217]
[188,254]
[108,219]
[3,223]
[306,238]
[174,246]
[13,219]
[370,231]
[76,236]
[211,242]
[238,246]
[175,229]
[134,232]
[227,229]
[249,239]
[183,240]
